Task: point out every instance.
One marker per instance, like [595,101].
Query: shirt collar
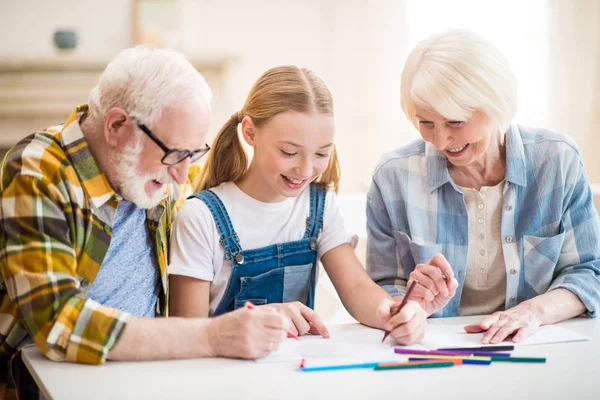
[93,181]
[437,163]
[516,171]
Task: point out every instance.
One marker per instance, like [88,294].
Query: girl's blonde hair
[280,89]
[455,74]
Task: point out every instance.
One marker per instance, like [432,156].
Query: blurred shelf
[40,91]
[79,63]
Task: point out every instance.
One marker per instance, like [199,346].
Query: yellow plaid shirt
[56,212]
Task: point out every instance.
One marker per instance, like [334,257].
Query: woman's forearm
[555,306]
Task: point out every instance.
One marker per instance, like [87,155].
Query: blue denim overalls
[277,273]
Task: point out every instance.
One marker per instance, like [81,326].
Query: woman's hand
[436,284]
[304,319]
[408,326]
[520,321]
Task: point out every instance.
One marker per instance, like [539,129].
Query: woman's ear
[113,126]
[248,130]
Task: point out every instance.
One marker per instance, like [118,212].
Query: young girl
[255,232]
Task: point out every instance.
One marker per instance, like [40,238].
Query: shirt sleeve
[383,264]
[38,262]
[334,230]
[578,267]
[192,243]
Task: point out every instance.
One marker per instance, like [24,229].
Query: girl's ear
[248,130]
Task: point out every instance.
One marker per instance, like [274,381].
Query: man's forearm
[162,339]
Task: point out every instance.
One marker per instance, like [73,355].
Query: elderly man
[86,209]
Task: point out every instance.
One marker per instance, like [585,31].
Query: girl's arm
[188,297]
[359,294]
[368,302]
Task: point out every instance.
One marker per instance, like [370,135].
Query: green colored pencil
[416,365]
[519,359]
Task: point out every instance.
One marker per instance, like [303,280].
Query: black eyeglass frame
[185,153]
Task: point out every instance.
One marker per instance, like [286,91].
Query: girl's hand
[521,321]
[408,326]
[436,284]
[304,319]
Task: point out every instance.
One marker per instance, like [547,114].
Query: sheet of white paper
[349,344]
[449,334]
[356,343]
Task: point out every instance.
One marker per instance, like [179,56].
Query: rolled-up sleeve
[39,249]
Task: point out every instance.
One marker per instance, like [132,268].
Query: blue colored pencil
[338,367]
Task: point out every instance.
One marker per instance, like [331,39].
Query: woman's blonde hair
[280,89]
[455,74]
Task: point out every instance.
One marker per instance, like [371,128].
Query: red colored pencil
[251,306]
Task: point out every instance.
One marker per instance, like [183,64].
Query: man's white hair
[457,73]
[144,81]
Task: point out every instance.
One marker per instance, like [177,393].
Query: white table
[571,372]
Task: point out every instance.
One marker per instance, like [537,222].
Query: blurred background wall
[357,46]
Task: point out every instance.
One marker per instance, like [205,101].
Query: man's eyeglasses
[174,156]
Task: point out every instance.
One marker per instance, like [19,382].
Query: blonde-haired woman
[256,231]
[487,216]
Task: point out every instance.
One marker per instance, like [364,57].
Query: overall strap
[229,239]
[314,222]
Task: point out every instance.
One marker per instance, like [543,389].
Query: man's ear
[114,125]
[248,130]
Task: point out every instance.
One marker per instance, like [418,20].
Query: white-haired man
[86,209]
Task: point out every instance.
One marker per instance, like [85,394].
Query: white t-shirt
[197,253]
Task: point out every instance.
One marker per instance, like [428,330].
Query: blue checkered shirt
[550,231]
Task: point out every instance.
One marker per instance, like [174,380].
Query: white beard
[131,184]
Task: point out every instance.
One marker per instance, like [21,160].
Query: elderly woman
[487,216]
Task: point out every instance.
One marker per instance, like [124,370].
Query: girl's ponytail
[227,160]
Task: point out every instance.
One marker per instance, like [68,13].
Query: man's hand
[246,333]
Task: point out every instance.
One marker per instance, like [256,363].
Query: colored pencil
[490,354]
[415,365]
[482,348]
[338,367]
[251,306]
[520,359]
[420,361]
[396,310]
[463,361]
[420,356]
[400,350]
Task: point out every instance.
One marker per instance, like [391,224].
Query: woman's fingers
[440,261]
[482,325]
[525,331]
[505,331]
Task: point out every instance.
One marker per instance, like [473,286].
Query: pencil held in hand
[396,308]
[251,306]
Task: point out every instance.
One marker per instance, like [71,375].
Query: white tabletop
[571,372]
